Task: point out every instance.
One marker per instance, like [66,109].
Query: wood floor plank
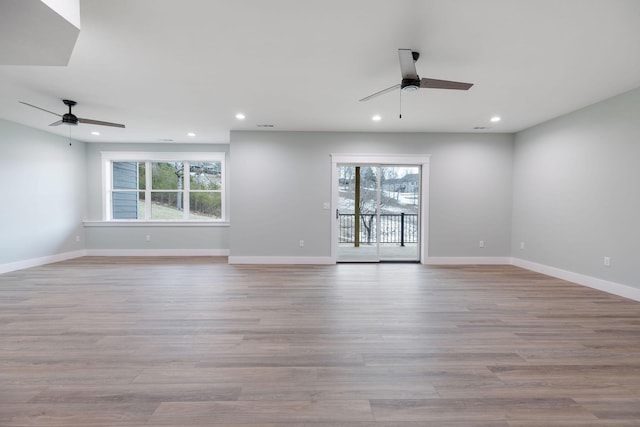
[19,393]
[70,414]
[339,390]
[613,408]
[430,410]
[577,423]
[212,423]
[323,411]
[134,393]
[194,342]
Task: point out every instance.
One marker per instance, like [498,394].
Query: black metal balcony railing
[394,228]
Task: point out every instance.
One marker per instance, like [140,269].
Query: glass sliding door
[399,213]
[378,211]
[358,213]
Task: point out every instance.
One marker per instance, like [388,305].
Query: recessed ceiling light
[495,119]
[240,116]
[95,133]
[376,118]
[191,134]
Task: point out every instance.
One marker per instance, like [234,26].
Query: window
[164,186]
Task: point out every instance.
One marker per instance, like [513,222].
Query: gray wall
[576,191]
[167,239]
[43,193]
[108,237]
[280,181]
[567,188]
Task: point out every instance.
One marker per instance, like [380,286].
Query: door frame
[422,160]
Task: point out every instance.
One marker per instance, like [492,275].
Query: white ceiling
[34,33]
[168,67]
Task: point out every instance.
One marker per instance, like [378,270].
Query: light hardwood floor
[126,342]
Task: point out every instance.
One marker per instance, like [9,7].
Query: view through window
[165,190]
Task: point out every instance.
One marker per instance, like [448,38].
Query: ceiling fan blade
[100,123]
[382,92]
[444,84]
[407,64]
[30,105]
[58,123]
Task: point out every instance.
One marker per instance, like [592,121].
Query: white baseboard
[36,262]
[157,252]
[282,260]
[614,288]
[468,261]
[580,279]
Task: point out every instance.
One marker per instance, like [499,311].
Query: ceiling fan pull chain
[400,105]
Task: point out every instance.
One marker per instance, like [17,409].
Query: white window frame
[109,157]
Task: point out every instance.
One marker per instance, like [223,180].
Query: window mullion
[109,191]
[186,185]
[222,189]
[147,190]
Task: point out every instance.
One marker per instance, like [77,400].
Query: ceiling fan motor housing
[70,119]
[410,85]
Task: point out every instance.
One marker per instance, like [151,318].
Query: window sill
[136,223]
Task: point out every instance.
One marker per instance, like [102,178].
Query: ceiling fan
[412,82]
[71,119]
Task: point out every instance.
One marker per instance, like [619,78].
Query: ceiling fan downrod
[69,118]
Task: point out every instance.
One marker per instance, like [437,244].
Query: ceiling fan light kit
[410,85]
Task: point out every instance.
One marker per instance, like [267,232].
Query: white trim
[614,288]
[378,210]
[136,156]
[334,210]
[425,175]
[281,260]
[138,223]
[468,261]
[36,262]
[157,252]
[381,159]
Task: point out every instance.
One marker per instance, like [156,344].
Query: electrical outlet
[521,245]
[302,243]
[482,243]
[148,238]
[77,238]
[607,261]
